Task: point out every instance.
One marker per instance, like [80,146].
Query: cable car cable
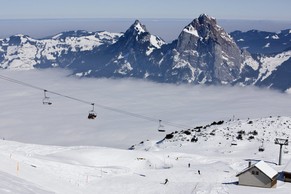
[90,103]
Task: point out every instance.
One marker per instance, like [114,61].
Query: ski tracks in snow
[210,188]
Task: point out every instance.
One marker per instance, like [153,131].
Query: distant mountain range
[261,42]
[204,53]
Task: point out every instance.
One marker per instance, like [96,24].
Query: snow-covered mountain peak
[138,27]
[204,18]
[205,27]
[138,38]
[74,33]
[17,39]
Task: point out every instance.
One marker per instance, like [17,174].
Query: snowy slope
[219,136]
[83,169]
[13,184]
[77,163]
[271,63]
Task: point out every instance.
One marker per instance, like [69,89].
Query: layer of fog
[168,29]
[24,118]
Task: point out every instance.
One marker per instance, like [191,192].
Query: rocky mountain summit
[204,53]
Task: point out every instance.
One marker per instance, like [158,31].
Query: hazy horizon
[167,28]
[261,15]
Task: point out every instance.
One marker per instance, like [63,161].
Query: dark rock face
[209,50]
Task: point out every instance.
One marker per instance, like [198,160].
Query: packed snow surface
[209,165]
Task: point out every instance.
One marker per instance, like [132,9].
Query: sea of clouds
[24,118]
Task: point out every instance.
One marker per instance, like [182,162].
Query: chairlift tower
[281,142]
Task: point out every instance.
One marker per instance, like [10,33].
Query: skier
[198,171]
[166,181]
[188,165]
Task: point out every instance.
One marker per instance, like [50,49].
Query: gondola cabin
[92,114]
[46,99]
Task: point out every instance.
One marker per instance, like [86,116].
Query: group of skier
[189,165]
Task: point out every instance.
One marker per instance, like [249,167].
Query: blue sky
[221,9]
[42,18]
